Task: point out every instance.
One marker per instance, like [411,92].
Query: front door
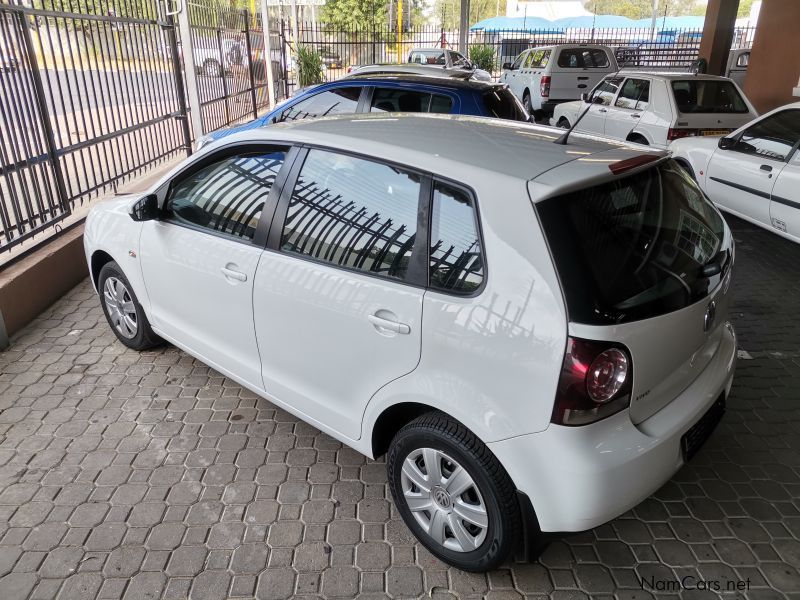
[199,261]
[598,102]
[626,112]
[338,292]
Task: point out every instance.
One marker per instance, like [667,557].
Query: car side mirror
[727,143]
[145,208]
[506,66]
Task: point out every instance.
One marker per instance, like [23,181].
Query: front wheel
[526,102]
[122,309]
[453,493]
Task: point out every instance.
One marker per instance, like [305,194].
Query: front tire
[122,309]
[526,102]
[453,493]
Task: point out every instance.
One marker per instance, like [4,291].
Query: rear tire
[122,309]
[563,123]
[453,493]
[526,102]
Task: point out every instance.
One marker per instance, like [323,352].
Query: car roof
[446,143]
[423,79]
[672,75]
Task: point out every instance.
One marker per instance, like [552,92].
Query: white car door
[742,173]
[199,260]
[599,100]
[784,207]
[514,77]
[625,114]
[338,293]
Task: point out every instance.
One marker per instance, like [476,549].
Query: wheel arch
[636,135]
[391,420]
[99,259]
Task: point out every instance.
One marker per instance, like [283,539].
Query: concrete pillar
[718,34]
[774,66]
[463,28]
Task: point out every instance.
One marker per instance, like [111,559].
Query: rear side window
[340,101]
[635,247]
[707,96]
[227,196]
[772,137]
[503,104]
[403,100]
[583,58]
[456,260]
[353,213]
[635,94]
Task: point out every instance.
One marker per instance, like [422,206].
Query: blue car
[391,93]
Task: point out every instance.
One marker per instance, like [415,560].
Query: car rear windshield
[708,96]
[636,247]
[500,102]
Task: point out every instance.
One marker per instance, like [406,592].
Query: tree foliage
[448,12]
[641,9]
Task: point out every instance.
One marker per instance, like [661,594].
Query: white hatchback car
[754,173]
[656,108]
[535,333]
[546,76]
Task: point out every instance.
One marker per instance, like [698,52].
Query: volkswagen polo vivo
[535,334]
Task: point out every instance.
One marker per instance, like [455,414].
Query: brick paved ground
[148,475]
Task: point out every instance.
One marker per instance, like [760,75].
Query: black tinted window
[227,196]
[635,247]
[403,100]
[456,260]
[331,102]
[707,96]
[605,91]
[772,137]
[353,213]
[580,58]
[503,104]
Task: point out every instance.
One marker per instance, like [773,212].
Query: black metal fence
[89,99]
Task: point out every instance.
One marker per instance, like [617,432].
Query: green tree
[350,14]
[744,8]
[641,9]
[448,12]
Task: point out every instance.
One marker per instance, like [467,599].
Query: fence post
[191,70]
[47,124]
[248,45]
[224,78]
[178,75]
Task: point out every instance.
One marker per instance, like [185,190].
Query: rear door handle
[635,116]
[389,325]
[602,110]
[766,168]
[231,274]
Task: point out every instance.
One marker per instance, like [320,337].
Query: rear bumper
[549,106]
[580,477]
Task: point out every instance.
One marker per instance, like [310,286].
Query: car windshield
[500,102]
[708,96]
[635,247]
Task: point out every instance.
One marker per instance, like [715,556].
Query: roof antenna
[562,139]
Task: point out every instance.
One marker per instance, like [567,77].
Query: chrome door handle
[602,110]
[390,325]
[635,116]
[231,274]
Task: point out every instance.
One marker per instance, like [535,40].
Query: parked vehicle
[428,61]
[754,173]
[549,75]
[535,334]
[656,108]
[331,59]
[736,70]
[391,93]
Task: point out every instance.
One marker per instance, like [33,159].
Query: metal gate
[88,100]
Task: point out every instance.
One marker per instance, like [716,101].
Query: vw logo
[441,497]
[708,319]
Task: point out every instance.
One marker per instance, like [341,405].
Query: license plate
[694,439]
[715,131]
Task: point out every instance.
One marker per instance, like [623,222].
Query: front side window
[635,94]
[604,93]
[226,197]
[353,213]
[456,260]
[518,61]
[458,60]
[772,137]
[405,100]
[743,60]
[340,101]
[708,96]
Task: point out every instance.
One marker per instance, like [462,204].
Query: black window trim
[789,155]
[330,88]
[267,213]
[418,271]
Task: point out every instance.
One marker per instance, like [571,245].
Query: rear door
[577,70]
[338,292]
[626,113]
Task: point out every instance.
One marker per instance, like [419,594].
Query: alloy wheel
[444,500]
[120,307]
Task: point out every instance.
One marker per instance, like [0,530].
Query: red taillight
[544,86]
[676,134]
[595,383]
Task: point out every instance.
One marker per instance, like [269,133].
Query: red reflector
[676,134]
[632,163]
[544,86]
